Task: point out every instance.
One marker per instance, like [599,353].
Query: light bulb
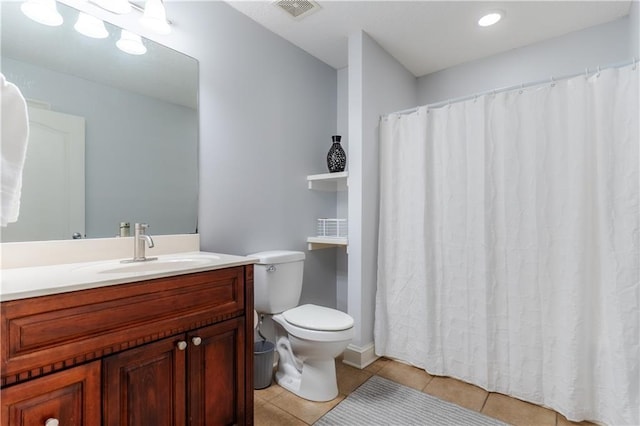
[42,11]
[154,17]
[90,26]
[131,43]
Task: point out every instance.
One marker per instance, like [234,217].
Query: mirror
[113,136]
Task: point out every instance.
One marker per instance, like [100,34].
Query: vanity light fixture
[42,11]
[131,43]
[120,7]
[154,17]
[490,18]
[90,26]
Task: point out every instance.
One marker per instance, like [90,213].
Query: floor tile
[458,392]
[562,421]
[405,374]
[377,365]
[349,378]
[307,411]
[269,393]
[257,401]
[267,414]
[516,412]
[277,406]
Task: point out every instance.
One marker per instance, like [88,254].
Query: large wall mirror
[113,136]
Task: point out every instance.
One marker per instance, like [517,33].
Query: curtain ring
[553,82]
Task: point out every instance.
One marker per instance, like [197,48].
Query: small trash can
[262,364]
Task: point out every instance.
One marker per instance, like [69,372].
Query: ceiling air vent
[298,9]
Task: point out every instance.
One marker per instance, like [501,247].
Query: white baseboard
[359,357]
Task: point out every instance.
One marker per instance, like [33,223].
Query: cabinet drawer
[48,333]
[72,397]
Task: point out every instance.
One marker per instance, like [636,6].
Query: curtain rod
[552,80]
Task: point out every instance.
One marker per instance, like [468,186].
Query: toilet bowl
[309,337]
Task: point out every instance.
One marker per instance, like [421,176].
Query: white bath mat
[379,401]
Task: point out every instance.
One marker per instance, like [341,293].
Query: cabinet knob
[51,422]
[196,340]
[182,345]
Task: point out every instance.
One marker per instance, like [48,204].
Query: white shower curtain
[509,244]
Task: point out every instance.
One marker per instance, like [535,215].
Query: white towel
[14,126]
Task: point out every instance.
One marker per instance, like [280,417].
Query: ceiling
[427,36]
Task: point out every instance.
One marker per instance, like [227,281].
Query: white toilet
[308,337]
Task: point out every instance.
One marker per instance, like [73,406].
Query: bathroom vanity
[146,346]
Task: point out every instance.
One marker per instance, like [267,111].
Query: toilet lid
[313,317]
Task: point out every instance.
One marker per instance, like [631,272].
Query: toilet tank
[277,280]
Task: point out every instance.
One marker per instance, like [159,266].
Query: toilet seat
[316,335]
[319,318]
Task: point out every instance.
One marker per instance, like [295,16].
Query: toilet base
[307,365]
[317,381]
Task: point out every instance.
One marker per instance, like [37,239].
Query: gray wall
[267,113]
[377,84]
[634,30]
[140,152]
[601,45]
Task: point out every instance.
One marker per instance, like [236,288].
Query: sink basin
[158,265]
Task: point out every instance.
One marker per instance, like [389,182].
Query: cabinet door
[71,396]
[216,374]
[146,385]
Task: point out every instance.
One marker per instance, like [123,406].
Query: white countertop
[21,283]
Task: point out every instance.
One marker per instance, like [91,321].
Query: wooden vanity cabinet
[197,378]
[168,351]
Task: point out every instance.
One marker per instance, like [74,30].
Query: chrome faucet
[140,241]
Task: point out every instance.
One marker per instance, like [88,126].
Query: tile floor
[278,407]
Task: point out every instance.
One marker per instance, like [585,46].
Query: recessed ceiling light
[490,19]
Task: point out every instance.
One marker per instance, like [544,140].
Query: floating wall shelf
[315,243]
[328,181]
